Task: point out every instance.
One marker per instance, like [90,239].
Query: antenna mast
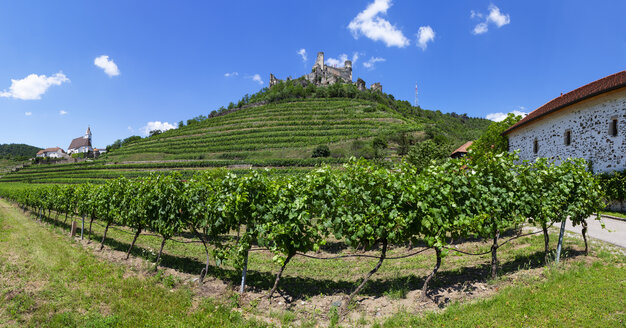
[415,94]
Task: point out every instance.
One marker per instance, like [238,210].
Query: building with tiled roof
[54,152]
[461,151]
[81,144]
[589,123]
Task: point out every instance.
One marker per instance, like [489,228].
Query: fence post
[560,244]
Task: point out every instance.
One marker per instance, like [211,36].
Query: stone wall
[376,87]
[588,123]
[616,206]
[323,75]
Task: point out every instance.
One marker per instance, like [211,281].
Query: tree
[426,153]
[154,133]
[492,140]
[379,144]
[321,151]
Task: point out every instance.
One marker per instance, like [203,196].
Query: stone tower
[319,62]
[348,67]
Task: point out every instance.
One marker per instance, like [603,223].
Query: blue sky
[168,61]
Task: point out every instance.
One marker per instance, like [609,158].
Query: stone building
[323,75]
[589,123]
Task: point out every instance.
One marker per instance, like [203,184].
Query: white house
[589,123]
[54,152]
[81,144]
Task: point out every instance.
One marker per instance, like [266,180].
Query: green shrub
[321,151]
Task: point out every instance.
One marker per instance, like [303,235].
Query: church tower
[88,134]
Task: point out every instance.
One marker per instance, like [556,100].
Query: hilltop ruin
[324,75]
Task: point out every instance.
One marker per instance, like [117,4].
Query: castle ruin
[324,75]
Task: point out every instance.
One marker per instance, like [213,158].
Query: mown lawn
[47,279]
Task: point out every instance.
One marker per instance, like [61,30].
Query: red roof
[603,85]
[463,148]
[50,150]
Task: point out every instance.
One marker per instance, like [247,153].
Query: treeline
[362,205]
[18,151]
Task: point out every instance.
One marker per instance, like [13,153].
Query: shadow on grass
[294,288]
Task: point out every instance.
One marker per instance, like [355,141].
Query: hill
[18,150]
[292,128]
[280,128]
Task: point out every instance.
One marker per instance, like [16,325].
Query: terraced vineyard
[99,172]
[280,130]
[279,135]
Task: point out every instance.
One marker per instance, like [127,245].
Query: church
[81,144]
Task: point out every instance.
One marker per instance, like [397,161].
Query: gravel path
[615,232]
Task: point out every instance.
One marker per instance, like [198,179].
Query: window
[613,127]
[568,137]
[536,146]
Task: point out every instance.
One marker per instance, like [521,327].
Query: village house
[54,152]
[461,151]
[81,144]
[589,123]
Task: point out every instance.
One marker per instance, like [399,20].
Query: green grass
[616,214]
[582,296]
[47,280]
[60,283]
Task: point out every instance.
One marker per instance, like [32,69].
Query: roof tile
[606,84]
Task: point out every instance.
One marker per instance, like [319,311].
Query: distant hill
[292,129]
[18,150]
[280,128]
[290,120]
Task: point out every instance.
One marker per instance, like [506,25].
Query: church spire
[88,133]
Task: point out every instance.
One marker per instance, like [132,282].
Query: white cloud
[475,14]
[231,74]
[480,28]
[339,62]
[28,113]
[33,86]
[497,117]
[156,125]
[62,112]
[109,67]
[257,78]
[372,61]
[495,17]
[424,35]
[302,53]
[355,57]
[369,23]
